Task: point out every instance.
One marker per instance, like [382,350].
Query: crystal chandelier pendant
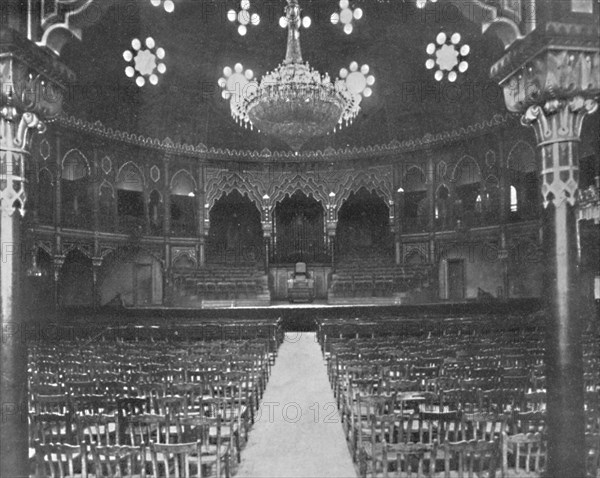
[294,102]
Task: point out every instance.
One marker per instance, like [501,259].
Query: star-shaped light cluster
[146,61]
[450,57]
[346,16]
[358,82]
[243,17]
[168,5]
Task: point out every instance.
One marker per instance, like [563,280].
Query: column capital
[557,125]
[559,120]
[556,61]
[33,83]
[33,79]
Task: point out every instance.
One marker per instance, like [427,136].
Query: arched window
[442,205]
[183,204]
[414,198]
[155,212]
[130,195]
[467,180]
[523,177]
[76,201]
[106,207]
[514,200]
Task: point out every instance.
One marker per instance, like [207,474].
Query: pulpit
[301,287]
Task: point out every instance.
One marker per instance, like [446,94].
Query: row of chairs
[194,459]
[144,394]
[432,404]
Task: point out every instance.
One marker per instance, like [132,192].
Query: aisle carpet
[298,431]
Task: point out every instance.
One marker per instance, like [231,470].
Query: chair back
[182,460]
[119,461]
[59,460]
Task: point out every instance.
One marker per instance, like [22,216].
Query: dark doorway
[235,231]
[456,279]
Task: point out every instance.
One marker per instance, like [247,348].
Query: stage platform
[294,317]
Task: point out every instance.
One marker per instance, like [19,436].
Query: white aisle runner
[298,431]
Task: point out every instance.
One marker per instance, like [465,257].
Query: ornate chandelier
[295,102]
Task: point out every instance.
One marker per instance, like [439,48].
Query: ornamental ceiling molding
[201,151]
[266,189]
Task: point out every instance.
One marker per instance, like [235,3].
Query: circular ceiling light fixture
[448,55]
[358,81]
[146,61]
[168,5]
[243,17]
[422,3]
[346,16]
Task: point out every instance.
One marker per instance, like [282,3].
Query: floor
[298,431]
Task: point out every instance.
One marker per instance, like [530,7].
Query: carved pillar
[331,222]
[167,284]
[96,265]
[267,227]
[27,97]
[431,180]
[96,189]
[167,198]
[399,205]
[57,263]
[555,90]
[201,195]
[557,125]
[504,185]
[58,184]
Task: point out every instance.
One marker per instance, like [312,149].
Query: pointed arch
[466,171]
[130,177]
[522,157]
[75,166]
[414,179]
[183,183]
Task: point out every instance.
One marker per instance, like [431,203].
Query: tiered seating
[376,276]
[221,282]
[96,406]
[434,404]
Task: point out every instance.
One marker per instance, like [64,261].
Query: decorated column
[331,227]
[266,220]
[552,79]
[32,83]
[431,183]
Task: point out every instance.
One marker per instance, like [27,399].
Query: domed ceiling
[199,41]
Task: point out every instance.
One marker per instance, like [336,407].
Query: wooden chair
[60,460]
[469,459]
[52,404]
[363,413]
[523,455]
[186,460]
[92,404]
[97,430]
[403,460]
[148,428]
[119,461]
[53,428]
[172,405]
[485,425]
